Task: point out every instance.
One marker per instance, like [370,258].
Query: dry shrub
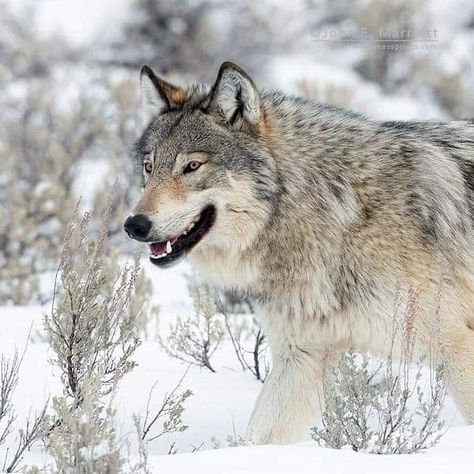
[378,406]
[93,333]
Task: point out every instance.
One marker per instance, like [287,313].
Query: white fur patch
[150,95]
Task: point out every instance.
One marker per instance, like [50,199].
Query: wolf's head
[209,177]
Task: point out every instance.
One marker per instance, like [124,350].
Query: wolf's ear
[159,93]
[235,97]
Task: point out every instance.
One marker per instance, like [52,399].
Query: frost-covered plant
[195,339]
[35,210]
[82,438]
[232,441]
[140,464]
[93,334]
[379,406]
[91,330]
[249,343]
[165,419]
[27,435]
[142,308]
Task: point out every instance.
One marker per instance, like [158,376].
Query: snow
[221,403]
[219,407]
[453,454]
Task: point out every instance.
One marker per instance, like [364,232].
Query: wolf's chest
[226,272]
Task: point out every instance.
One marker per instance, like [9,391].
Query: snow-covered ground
[453,455]
[219,407]
[220,404]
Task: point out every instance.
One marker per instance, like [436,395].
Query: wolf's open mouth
[169,251]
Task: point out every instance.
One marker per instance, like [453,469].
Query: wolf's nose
[137,227]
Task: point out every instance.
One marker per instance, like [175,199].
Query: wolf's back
[416,178]
[456,140]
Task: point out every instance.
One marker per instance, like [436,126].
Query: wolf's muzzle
[137,227]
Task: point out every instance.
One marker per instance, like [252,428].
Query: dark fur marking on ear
[240,107]
[205,108]
[158,83]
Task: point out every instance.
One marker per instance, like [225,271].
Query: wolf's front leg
[290,399]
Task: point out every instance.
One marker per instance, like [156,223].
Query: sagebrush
[93,332]
[380,406]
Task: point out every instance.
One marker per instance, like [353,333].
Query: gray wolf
[323,217]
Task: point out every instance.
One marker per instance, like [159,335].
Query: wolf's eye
[148,167]
[192,166]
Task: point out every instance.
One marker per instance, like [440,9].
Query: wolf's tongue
[158,248]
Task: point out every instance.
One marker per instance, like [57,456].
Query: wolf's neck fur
[334,234]
[302,249]
[314,147]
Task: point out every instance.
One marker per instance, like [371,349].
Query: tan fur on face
[176,189]
[156,196]
[148,203]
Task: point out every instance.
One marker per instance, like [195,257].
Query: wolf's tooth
[191,226]
[168,247]
[185,232]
